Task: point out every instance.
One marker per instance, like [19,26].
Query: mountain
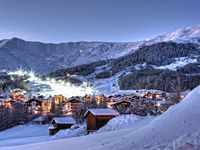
[47,57]
[190,34]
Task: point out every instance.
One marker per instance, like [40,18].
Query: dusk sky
[94,20]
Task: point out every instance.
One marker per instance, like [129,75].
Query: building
[73,104]
[18,94]
[123,105]
[39,120]
[47,105]
[96,118]
[87,97]
[111,100]
[34,105]
[59,99]
[60,123]
[100,99]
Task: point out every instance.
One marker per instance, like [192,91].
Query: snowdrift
[171,130]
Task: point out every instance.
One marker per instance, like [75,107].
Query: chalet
[100,99]
[46,105]
[59,99]
[112,100]
[96,118]
[87,97]
[34,102]
[60,123]
[73,104]
[18,94]
[34,105]
[121,105]
[150,95]
[10,103]
[39,120]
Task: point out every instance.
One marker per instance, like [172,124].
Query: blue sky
[94,20]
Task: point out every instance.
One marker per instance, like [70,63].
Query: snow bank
[126,121]
[24,134]
[74,131]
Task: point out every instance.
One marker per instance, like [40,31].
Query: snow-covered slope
[24,134]
[182,35]
[179,125]
[179,62]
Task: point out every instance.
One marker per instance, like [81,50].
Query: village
[96,110]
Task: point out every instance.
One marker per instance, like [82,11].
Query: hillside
[156,66]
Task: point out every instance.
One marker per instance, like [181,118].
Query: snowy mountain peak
[183,35]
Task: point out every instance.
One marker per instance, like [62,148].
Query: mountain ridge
[43,58]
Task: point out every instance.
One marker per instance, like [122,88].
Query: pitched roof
[102,112]
[122,101]
[40,118]
[74,98]
[64,120]
[34,99]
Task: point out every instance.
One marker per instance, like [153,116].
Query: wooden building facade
[97,118]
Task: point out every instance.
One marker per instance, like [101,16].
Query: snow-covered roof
[102,112]
[51,127]
[34,99]
[40,118]
[164,102]
[116,99]
[122,101]
[74,98]
[64,120]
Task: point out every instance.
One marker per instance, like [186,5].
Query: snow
[24,134]
[126,121]
[40,118]
[180,121]
[179,62]
[74,131]
[3,42]
[182,35]
[64,120]
[108,85]
[102,112]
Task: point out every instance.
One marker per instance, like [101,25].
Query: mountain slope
[190,34]
[46,57]
[43,58]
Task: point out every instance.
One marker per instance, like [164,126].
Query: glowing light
[19,72]
[32,76]
[182,96]
[54,87]
[158,104]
